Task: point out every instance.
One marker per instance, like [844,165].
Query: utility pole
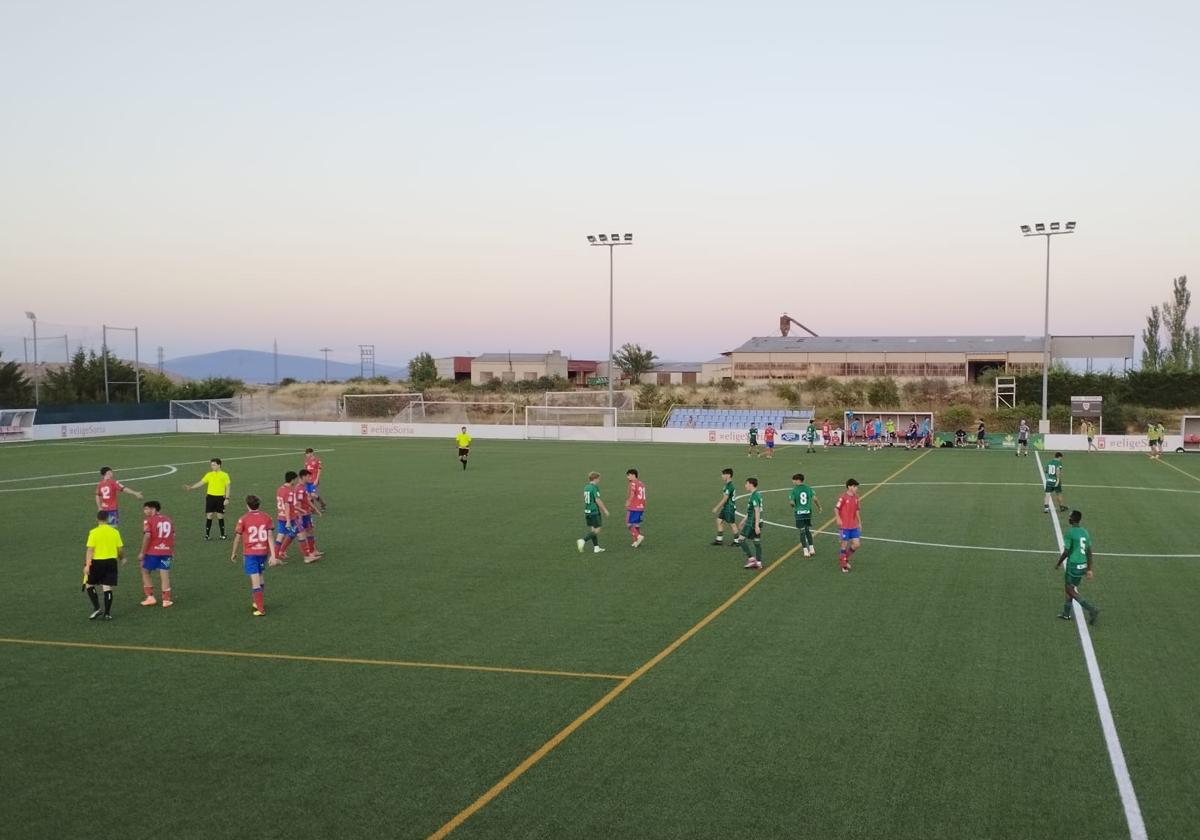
[326,350]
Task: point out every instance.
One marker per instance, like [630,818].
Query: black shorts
[980,435]
[214,504]
[102,573]
[462,451]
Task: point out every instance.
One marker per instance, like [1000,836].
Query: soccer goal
[574,422]
[225,409]
[16,424]
[389,407]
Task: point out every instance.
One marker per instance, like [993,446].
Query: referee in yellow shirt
[216,496]
[464,446]
[104,550]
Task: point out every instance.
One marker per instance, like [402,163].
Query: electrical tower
[366,360]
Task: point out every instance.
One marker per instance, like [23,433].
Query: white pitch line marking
[1129,800]
[171,470]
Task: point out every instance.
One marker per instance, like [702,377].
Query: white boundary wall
[69,431]
[1109,443]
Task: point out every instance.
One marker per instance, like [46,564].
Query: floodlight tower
[36,395]
[603,239]
[1047,230]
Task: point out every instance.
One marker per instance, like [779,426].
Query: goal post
[223,409]
[16,424]
[464,412]
[397,408]
[576,422]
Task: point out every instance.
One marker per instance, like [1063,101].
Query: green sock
[1088,607]
[1066,608]
[746,548]
[596,540]
[758,550]
[807,535]
[587,536]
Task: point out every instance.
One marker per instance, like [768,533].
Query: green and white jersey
[811,432]
[753,433]
[591,496]
[1053,472]
[1077,541]
[730,492]
[753,502]
[801,496]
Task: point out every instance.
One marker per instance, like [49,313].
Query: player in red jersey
[850,522]
[313,464]
[288,521]
[106,495]
[769,440]
[305,512]
[255,529]
[157,552]
[827,433]
[635,507]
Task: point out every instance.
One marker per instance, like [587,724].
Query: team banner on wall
[995,440]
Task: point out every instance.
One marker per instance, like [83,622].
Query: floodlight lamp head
[1054,226]
[30,316]
[603,237]
[1070,226]
[1026,229]
[616,237]
[1041,228]
[591,239]
[629,237]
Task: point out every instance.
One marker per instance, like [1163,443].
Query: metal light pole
[36,393]
[1042,229]
[615,241]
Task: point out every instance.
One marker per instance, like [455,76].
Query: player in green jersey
[593,511]
[1053,485]
[752,530]
[810,435]
[724,509]
[803,500]
[752,437]
[1077,552]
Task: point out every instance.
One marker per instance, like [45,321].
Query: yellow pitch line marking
[334,660]
[544,750]
[1177,469]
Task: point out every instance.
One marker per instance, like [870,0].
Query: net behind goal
[16,424]
[394,408]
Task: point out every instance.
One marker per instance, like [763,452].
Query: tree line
[82,381]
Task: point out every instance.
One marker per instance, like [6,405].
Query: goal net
[16,424]
[393,408]
[548,421]
[624,400]
[459,412]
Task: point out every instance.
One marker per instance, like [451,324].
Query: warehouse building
[953,358]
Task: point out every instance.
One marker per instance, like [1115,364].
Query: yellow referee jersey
[217,482]
[464,440]
[105,542]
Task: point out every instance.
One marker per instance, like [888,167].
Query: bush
[956,417]
[650,397]
[926,392]
[848,394]
[287,380]
[883,393]
[790,394]
[729,386]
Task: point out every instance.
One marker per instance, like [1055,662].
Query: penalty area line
[1116,755]
[333,660]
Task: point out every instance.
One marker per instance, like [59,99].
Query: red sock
[258,600]
[166,594]
[149,590]
[283,547]
[636,532]
[304,548]
[312,543]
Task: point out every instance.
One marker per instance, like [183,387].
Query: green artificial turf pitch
[931,693]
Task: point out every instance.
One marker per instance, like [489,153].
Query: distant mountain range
[259,367]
